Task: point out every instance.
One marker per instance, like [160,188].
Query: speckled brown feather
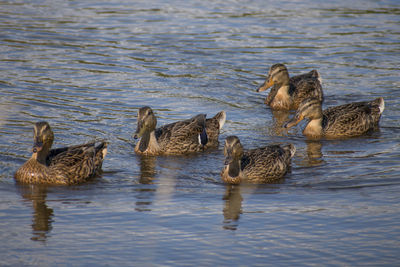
[180,137]
[305,88]
[351,119]
[263,165]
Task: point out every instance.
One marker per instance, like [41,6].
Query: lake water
[87,66]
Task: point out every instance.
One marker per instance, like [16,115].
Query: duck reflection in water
[147,169]
[313,156]
[146,189]
[232,207]
[314,152]
[42,214]
[280,117]
[233,200]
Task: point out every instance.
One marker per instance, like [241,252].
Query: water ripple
[86,67]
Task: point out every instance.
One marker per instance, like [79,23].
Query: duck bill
[37,146]
[293,122]
[267,84]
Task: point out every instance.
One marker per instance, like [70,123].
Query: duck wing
[183,136]
[313,74]
[304,86]
[56,151]
[78,163]
[308,88]
[352,119]
[267,163]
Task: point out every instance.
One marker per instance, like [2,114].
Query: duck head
[278,75]
[43,138]
[233,151]
[309,108]
[146,122]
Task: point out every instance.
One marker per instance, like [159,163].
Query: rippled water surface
[87,66]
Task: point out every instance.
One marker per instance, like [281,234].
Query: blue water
[86,67]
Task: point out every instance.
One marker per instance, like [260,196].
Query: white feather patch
[222,119]
[382,105]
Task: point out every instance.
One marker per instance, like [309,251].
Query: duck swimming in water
[260,165]
[287,93]
[347,120]
[192,135]
[62,166]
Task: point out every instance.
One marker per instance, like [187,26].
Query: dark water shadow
[232,207]
[146,191]
[314,153]
[311,156]
[147,169]
[42,215]
[233,199]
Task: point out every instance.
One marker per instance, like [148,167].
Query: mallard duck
[260,165]
[192,135]
[63,166]
[286,93]
[341,121]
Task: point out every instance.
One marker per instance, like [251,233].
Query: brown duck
[260,165]
[347,120]
[62,166]
[192,135]
[287,94]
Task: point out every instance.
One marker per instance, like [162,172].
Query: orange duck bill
[267,84]
[294,121]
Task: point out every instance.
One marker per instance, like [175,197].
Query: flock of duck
[303,93]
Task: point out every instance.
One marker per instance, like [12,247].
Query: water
[86,67]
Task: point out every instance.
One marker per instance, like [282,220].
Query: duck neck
[233,172]
[148,143]
[313,128]
[234,168]
[282,98]
[41,156]
[283,90]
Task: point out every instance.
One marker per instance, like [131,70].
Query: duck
[192,135]
[348,120]
[259,165]
[61,166]
[287,93]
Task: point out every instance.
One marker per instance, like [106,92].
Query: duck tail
[316,74]
[221,118]
[102,147]
[381,104]
[99,155]
[291,149]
